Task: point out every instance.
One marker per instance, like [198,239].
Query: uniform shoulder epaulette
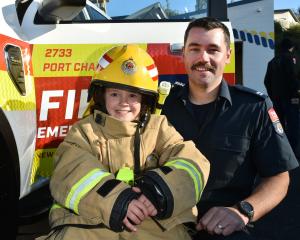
[176,87]
[251,91]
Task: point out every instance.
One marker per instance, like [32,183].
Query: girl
[122,172]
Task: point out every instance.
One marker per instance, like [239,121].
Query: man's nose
[203,56]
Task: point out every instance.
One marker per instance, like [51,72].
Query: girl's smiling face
[122,104]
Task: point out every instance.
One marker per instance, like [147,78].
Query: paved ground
[281,224]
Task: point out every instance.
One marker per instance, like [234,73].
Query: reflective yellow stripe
[192,171]
[55,206]
[83,186]
[126,175]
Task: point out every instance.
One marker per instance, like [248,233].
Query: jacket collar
[112,127]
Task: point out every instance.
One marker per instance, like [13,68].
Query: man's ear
[182,51]
[228,55]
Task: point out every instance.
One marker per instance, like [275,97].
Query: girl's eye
[114,94]
[133,95]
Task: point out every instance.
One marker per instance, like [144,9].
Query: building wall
[254,25]
[286,19]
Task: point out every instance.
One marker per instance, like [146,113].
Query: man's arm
[267,195]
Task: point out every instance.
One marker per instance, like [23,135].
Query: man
[283,87]
[236,128]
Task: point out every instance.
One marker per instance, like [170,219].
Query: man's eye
[194,50]
[213,50]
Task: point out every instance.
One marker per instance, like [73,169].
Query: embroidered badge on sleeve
[275,121]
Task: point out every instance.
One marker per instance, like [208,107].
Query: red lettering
[61,67]
[77,67]
[46,67]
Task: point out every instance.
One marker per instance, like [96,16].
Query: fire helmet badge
[129,67]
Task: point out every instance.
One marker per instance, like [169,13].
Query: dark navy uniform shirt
[239,134]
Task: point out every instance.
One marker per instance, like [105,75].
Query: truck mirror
[15,69]
[60,10]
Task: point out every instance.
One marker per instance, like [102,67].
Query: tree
[279,32]
[293,33]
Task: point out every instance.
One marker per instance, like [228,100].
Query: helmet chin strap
[137,142]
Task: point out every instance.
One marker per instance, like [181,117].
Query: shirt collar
[224,92]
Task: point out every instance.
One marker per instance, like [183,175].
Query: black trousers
[293,126]
[289,115]
[241,235]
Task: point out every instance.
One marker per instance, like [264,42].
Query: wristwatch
[246,209]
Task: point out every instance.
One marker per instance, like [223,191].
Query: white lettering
[46,104]
[63,131]
[70,104]
[41,132]
[52,132]
[83,102]
[56,131]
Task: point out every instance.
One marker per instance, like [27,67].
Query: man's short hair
[208,23]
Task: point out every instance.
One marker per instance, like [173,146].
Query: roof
[278,11]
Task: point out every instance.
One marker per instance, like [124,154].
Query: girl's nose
[123,99]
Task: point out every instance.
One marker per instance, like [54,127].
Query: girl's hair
[99,102]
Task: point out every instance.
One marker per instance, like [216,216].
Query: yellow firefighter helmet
[127,67]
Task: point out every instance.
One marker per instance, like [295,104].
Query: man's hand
[222,220]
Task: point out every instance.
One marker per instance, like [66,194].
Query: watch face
[246,208]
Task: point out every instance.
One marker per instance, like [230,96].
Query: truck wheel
[8,194]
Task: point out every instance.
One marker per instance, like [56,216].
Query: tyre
[8,193]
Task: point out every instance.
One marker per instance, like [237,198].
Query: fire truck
[49,50]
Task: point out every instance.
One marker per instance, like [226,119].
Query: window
[94,14]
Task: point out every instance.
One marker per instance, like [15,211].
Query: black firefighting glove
[157,191]
[120,208]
